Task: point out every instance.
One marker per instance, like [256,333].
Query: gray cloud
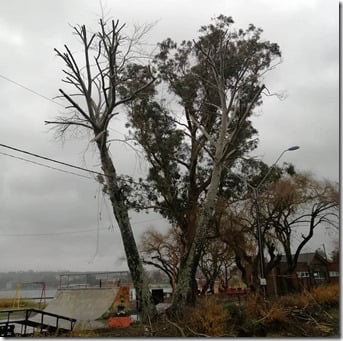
[36,200]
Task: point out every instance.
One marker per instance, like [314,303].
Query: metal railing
[93,279]
[24,318]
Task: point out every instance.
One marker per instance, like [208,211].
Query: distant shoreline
[27,293]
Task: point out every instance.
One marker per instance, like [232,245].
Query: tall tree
[94,95]
[216,82]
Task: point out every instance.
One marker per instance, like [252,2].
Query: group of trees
[193,147]
[291,206]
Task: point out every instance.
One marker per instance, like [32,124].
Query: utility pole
[263,280]
[326,257]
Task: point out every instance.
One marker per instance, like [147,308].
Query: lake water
[27,293]
[34,293]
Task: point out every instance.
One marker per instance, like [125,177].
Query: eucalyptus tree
[94,95]
[194,126]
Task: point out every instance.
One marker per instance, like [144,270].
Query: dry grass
[325,295]
[6,303]
[304,313]
[276,315]
[266,313]
[255,307]
[208,317]
[83,333]
[309,314]
[9,303]
[301,301]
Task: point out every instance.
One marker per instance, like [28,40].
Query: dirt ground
[308,314]
[160,329]
[163,328]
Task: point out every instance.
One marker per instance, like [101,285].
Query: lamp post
[263,280]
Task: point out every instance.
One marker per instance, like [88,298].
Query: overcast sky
[50,220]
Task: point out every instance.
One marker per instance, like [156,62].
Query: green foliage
[214,84]
[236,312]
[179,154]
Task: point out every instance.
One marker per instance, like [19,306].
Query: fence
[37,319]
[93,279]
[291,283]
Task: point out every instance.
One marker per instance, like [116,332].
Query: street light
[290,149]
[263,281]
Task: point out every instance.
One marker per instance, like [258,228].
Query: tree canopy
[213,84]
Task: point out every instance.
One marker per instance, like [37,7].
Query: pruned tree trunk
[185,292]
[144,302]
[99,87]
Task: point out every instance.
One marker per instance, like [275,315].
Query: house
[312,269]
[333,268]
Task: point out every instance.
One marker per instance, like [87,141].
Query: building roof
[306,257]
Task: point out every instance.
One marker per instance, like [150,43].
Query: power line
[46,158]
[42,96]
[58,162]
[67,165]
[69,232]
[51,160]
[64,164]
[30,90]
[46,166]
[146,221]
[45,234]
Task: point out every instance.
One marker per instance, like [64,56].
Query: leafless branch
[68,123]
[195,333]
[177,327]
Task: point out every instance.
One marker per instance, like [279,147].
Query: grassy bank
[11,303]
[313,313]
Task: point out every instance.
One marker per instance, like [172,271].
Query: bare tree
[163,251]
[298,203]
[109,56]
[215,262]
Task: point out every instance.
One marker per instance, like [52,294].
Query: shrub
[301,301]
[265,312]
[276,315]
[256,307]
[325,295]
[235,311]
[208,317]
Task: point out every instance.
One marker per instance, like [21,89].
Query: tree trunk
[185,290]
[144,301]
